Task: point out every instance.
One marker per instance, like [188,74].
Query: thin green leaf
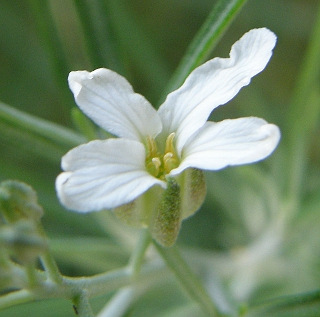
[52,131]
[306,305]
[207,37]
[99,34]
[138,46]
[303,115]
[50,38]
[307,82]
[22,140]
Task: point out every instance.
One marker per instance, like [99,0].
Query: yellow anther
[158,164]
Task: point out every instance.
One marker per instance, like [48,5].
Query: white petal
[104,175]
[229,142]
[215,83]
[109,100]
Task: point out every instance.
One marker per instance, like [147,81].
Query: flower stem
[48,262]
[188,279]
[32,276]
[16,298]
[205,40]
[119,303]
[137,256]
[51,268]
[122,300]
[107,282]
[82,305]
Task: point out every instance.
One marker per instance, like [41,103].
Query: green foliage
[255,242]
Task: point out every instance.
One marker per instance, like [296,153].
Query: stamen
[152,147]
[153,166]
[158,164]
[170,162]
[169,143]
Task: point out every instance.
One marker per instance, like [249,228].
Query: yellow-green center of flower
[159,164]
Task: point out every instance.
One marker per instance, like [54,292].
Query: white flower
[159,153]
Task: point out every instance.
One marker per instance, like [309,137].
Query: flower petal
[109,100]
[215,83]
[229,142]
[104,175]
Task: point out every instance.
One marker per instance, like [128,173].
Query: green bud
[22,241]
[5,269]
[166,221]
[19,201]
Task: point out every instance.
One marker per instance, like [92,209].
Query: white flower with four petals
[151,173]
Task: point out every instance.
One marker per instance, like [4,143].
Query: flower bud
[5,269]
[19,201]
[22,241]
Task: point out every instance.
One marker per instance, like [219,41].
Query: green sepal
[139,212]
[158,209]
[165,223]
[193,191]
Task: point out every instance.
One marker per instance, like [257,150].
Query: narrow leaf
[99,34]
[306,305]
[49,130]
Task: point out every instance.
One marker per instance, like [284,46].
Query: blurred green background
[259,227]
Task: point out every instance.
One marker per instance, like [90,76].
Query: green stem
[32,276]
[139,252]
[119,303]
[107,282]
[72,288]
[47,129]
[51,268]
[188,279]
[82,305]
[207,37]
[48,262]
[122,300]
[16,298]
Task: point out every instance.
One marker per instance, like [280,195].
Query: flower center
[158,164]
